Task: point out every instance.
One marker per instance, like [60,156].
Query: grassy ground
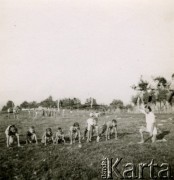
[71,162]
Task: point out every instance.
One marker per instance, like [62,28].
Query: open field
[71,162]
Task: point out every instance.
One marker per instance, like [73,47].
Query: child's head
[31,129]
[59,129]
[114,122]
[148,109]
[13,128]
[91,114]
[76,125]
[173,76]
[48,131]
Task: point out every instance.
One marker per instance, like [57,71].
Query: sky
[83,48]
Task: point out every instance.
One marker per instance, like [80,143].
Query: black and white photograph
[86,89]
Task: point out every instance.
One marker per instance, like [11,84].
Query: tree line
[68,103]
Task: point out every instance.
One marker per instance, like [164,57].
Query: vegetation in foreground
[71,162]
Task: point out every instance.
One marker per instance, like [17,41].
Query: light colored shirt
[172,85]
[153,84]
[150,120]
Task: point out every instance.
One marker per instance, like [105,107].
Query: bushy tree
[48,102]
[91,101]
[25,105]
[9,104]
[129,106]
[33,104]
[117,104]
[70,103]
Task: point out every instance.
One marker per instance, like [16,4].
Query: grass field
[71,162]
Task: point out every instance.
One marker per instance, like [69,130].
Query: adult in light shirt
[150,124]
[171,89]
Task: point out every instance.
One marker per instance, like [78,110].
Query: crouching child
[31,136]
[75,133]
[47,137]
[59,136]
[12,135]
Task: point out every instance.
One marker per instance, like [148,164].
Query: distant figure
[9,111]
[29,113]
[63,112]
[35,113]
[43,113]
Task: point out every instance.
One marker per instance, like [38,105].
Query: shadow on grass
[159,136]
[121,135]
[162,135]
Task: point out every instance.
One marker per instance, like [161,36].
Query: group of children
[12,136]
[48,137]
[92,127]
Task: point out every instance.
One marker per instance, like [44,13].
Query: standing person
[43,112]
[150,124]
[171,89]
[92,124]
[9,111]
[29,112]
[16,111]
[63,112]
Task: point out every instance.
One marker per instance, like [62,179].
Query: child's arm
[116,133]
[107,131]
[63,138]
[70,136]
[52,139]
[142,110]
[44,138]
[56,138]
[8,137]
[79,136]
[17,135]
[35,138]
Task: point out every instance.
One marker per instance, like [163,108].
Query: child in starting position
[47,136]
[59,136]
[31,136]
[12,135]
[75,133]
[109,128]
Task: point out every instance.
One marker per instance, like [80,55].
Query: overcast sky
[82,48]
